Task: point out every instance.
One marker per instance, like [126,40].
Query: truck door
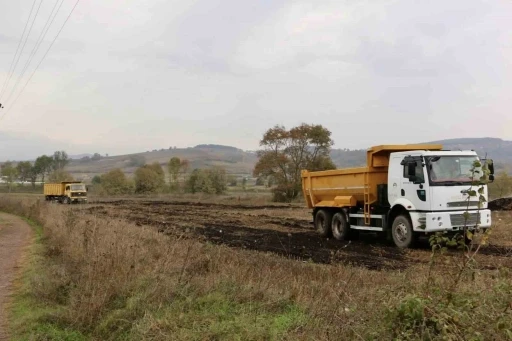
[394,179]
[413,185]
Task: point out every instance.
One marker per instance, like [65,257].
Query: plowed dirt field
[287,231]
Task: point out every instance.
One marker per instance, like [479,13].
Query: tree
[33,176]
[137,160]
[209,181]
[218,178]
[148,180]
[96,157]
[502,185]
[60,160]
[286,153]
[10,173]
[157,168]
[174,167]
[24,169]
[60,175]
[185,164]
[43,166]
[96,180]
[115,182]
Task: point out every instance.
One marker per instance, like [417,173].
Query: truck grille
[460,220]
[74,195]
[462,203]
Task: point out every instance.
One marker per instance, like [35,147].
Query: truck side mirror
[491,169]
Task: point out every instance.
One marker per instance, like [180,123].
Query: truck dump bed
[352,187]
[54,189]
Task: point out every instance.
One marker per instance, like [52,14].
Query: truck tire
[340,228]
[402,233]
[323,219]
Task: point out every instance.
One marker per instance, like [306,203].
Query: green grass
[217,316]
[220,313]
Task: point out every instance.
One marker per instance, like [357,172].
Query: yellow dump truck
[66,192]
[403,191]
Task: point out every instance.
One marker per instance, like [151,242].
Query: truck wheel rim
[401,232]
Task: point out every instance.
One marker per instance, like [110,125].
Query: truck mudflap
[450,221]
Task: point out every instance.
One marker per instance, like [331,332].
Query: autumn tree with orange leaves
[286,153]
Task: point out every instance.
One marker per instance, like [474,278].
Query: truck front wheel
[323,219]
[402,232]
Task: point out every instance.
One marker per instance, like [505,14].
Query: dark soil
[501,204]
[282,230]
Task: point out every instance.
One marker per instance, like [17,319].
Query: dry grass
[114,280]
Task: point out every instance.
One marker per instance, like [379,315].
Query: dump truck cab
[76,191]
[432,186]
[404,191]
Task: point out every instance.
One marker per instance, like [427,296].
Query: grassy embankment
[92,278]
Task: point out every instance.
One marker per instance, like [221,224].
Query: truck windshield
[78,187]
[451,170]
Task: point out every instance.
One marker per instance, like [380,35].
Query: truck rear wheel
[340,228]
[402,232]
[323,219]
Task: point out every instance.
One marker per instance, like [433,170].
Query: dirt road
[15,235]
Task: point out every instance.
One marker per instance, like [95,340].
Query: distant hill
[234,160]
[241,163]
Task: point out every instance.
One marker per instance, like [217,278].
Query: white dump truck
[405,190]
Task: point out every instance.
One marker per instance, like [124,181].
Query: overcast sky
[128,76]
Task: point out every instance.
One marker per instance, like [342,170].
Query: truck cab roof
[437,153]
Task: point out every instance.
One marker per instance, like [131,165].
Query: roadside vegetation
[102,278]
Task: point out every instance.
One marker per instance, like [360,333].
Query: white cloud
[135,75]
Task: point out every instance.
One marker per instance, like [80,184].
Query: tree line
[150,179]
[283,155]
[44,167]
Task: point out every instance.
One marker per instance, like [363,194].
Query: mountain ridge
[239,162]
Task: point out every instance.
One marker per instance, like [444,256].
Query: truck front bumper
[79,200]
[451,221]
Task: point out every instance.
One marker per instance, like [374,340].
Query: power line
[17,49]
[44,56]
[26,38]
[39,40]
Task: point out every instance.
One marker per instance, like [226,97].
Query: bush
[208,181]
[148,180]
[137,161]
[115,182]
